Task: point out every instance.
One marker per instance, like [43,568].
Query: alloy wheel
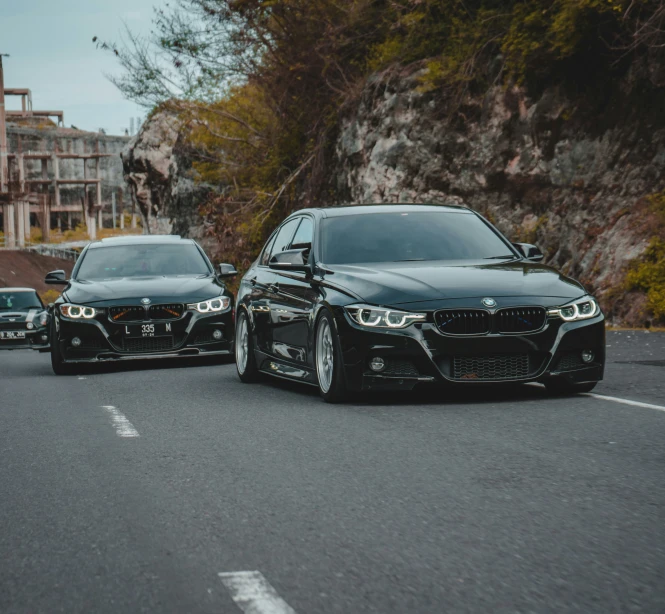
[242,345]
[324,355]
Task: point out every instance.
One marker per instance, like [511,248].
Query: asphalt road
[497,502]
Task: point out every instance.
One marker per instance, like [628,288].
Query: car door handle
[274,287]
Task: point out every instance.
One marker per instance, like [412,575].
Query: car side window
[304,234]
[265,257]
[283,238]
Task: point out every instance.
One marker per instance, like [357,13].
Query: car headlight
[582,309]
[380,317]
[43,319]
[221,303]
[76,312]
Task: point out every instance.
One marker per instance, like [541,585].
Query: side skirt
[280,368]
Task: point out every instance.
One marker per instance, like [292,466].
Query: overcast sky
[52,53]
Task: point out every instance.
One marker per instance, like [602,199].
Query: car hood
[400,283]
[133,289]
[22,315]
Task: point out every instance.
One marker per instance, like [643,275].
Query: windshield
[17,301]
[142,261]
[403,237]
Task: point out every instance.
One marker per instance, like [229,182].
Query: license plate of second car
[147,330]
[12,334]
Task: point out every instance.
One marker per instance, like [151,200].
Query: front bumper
[421,354]
[102,340]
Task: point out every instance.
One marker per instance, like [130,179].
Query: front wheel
[560,388]
[329,365]
[248,372]
[58,364]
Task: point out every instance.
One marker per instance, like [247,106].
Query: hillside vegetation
[261,85]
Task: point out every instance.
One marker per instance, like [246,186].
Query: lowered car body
[24,321]
[141,297]
[389,296]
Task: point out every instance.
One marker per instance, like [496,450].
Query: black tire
[561,387]
[60,367]
[336,391]
[250,374]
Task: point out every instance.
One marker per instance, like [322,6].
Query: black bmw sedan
[371,297]
[141,297]
[24,321]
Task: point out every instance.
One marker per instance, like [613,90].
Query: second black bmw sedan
[141,297]
[388,296]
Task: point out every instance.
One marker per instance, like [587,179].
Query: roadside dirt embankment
[25,269]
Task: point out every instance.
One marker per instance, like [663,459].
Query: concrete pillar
[98,185]
[26,228]
[20,218]
[133,220]
[92,228]
[56,176]
[69,220]
[122,219]
[46,220]
[46,207]
[10,230]
[100,221]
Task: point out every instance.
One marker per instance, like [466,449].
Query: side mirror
[530,252]
[56,277]
[227,270]
[50,307]
[290,260]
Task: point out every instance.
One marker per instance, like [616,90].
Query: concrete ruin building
[52,176]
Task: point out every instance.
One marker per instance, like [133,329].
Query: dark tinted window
[142,261]
[399,236]
[17,301]
[283,239]
[304,233]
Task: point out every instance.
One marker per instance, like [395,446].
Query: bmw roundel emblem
[145,301]
[489,302]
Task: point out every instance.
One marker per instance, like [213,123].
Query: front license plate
[147,330]
[12,334]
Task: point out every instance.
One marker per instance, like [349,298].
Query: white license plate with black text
[12,334]
[147,330]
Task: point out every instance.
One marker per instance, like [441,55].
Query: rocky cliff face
[159,174]
[568,174]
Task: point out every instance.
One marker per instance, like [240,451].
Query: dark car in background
[24,321]
[141,297]
[389,296]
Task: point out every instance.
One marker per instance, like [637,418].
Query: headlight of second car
[76,312]
[381,317]
[221,303]
[581,309]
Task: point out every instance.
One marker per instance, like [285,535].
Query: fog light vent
[588,356]
[377,364]
[76,342]
[217,334]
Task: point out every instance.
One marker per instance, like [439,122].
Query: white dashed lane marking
[253,594]
[602,397]
[123,427]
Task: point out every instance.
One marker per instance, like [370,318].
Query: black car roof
[139,240]
[360,208]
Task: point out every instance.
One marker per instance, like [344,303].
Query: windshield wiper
[500,257]
[410,260]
